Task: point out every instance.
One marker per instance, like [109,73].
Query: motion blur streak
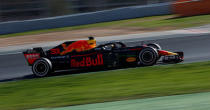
[196,48]
[191,7]
[198,101]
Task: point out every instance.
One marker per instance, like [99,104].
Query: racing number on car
[55,51]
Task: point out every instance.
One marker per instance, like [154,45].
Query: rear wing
[31,55]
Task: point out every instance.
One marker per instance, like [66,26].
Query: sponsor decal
[135,49]
[32,57]
[59,57]
[78,46]
[84,55]
[131,59]
[88,61]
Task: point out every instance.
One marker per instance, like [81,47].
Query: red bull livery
[84,54]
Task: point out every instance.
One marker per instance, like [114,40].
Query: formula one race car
[84,54]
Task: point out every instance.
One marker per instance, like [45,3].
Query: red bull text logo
[88,61]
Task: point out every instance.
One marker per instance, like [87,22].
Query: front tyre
[148,56]
[155,46]
[42,67]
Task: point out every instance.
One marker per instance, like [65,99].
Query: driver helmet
[92,42]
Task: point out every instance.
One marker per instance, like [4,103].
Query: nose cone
[164,53]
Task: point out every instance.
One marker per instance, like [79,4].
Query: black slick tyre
[155,46]
[42,67]
[148,56]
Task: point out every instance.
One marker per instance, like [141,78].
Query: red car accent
[32,57]
[88,61]
[135,49]
[55,51]
[164,53]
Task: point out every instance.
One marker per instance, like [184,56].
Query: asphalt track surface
[195,47]
[198,101]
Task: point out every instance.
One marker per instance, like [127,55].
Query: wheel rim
[147,56]
[41,69]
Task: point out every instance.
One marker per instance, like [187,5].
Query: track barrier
[191,7]
[86,18]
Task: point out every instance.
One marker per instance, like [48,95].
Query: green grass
[146,23]
[105,86]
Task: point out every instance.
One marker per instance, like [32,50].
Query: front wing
[176,58]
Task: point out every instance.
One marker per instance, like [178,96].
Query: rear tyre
[42,67]
[148,56]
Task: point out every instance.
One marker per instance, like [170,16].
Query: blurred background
[11,10]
